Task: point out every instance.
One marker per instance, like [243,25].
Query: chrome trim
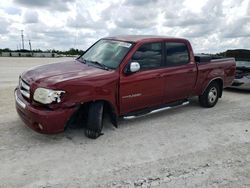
[132,95]
[212,95]
[24,85]
[19,102]
[156,111]
[25,93]
[229,58]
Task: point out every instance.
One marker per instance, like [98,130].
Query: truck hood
[51,74]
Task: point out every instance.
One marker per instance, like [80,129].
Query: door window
[176,54]
[149,56]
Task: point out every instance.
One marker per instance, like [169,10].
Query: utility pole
[30,45]
[22,39]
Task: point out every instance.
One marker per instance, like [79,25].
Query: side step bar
[184,103]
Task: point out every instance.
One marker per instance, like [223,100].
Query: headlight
[47,96]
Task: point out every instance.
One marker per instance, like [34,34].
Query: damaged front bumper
[40,119]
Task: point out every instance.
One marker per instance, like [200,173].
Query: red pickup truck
[124,76]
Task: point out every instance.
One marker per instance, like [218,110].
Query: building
[28,54]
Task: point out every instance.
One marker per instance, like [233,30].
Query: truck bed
[214,67]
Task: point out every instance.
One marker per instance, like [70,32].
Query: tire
[94,120]
[211,95]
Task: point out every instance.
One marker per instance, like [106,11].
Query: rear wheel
[211,95]
[94,121]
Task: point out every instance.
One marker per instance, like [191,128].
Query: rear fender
[219,80]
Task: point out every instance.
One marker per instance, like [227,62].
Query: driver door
[144,88]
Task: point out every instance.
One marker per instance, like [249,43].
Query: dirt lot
[185,147]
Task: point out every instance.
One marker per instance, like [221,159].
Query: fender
[216,78]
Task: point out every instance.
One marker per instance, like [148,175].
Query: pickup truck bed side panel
[223,69]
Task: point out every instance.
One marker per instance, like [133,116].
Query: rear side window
[149,55]
[176,54]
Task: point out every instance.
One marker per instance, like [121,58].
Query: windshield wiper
[82,60]
[99,64]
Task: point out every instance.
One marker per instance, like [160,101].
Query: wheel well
[79,117]
[220,84]
[110,110]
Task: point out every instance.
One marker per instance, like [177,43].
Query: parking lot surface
[189,146]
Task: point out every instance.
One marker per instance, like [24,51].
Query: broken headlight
[47,96]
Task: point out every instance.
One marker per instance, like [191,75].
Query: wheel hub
[212,95]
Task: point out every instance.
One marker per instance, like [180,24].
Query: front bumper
[243,83]
[40,119]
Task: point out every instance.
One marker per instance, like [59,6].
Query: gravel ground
[184,147]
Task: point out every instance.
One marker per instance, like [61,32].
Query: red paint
[84,83]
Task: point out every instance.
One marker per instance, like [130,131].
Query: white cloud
[13,11]
[30,16]
[211,25]
[4,26]
[55,5]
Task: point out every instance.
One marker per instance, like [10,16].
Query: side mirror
[134,67]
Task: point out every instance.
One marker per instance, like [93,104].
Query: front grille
[24,88]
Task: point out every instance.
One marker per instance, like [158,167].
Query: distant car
[242,76]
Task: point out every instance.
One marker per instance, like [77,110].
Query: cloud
[139,2]
[185,19]
[139,20]
[238,28]
[62,24]
[13,11]
[33,3]
[30,16]
[132,17]
[248,8]
[45,37]
[56,5]
[203,23]
[84,20]
[4,26]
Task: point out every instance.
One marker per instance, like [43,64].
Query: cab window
[176,54]
[149,56]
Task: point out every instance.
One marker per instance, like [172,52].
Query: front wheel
[211,95]
[94,120]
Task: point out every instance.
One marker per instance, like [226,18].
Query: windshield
[243,64]
[108,53]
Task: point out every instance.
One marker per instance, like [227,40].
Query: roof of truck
[138,38]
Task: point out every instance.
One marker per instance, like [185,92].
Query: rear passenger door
[180,72]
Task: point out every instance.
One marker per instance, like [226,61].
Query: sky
[210,25]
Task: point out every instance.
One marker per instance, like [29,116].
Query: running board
[155,111]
